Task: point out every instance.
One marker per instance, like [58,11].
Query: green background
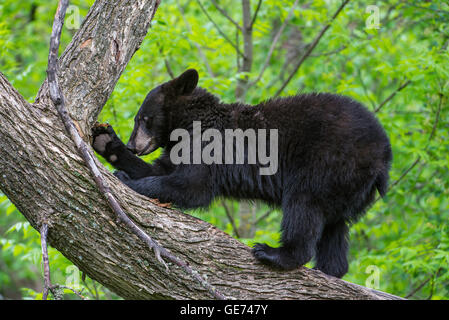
[401,246]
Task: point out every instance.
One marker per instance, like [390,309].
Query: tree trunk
[42,174]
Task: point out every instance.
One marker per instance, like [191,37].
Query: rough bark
[42,174]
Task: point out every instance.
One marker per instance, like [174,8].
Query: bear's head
[152,122]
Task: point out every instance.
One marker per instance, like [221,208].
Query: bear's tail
[381,181]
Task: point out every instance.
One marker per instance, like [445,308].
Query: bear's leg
[332,250]
[109,146]
[302,225]
[186,188]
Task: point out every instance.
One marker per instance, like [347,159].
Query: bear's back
[316,121]
[327,139]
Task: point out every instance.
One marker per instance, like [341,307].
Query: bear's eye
[146,119]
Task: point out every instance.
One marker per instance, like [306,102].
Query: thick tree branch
[44,176]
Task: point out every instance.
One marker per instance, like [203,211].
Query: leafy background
[400,68]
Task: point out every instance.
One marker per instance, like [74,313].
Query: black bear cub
[331,156]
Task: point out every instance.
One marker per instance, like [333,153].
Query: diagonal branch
[166,62]
[391,96]
[46,267]
[256,12]
[274,43]
[311,48]
[226,15]
[198,47]
[436,122]
[429,140]
[219,30]
[230,218]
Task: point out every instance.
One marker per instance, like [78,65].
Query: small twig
[45,261]
[58,100]
[274,43]
[432,286]
[94,293]
[264,216]
[425,8]
[219,30]
[94,283]
[169,69]
[437,120]
[48,287]
[166,62]
[256,13]
[237,41]
[310,48]
[365,89]
[391,96]
[412,293]
[401,177]
[431,136]
[225,14]
[198,47]
[59,286]
[327,53]
[386,18]
[405,172]
[231,218]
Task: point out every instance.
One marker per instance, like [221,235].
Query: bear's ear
[186,82]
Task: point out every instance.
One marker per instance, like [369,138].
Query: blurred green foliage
[402,245]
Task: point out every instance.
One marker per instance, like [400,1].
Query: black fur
[333,156]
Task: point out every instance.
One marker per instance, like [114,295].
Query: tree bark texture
[47,180]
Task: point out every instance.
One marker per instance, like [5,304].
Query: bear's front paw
[122,176]
[105,141]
